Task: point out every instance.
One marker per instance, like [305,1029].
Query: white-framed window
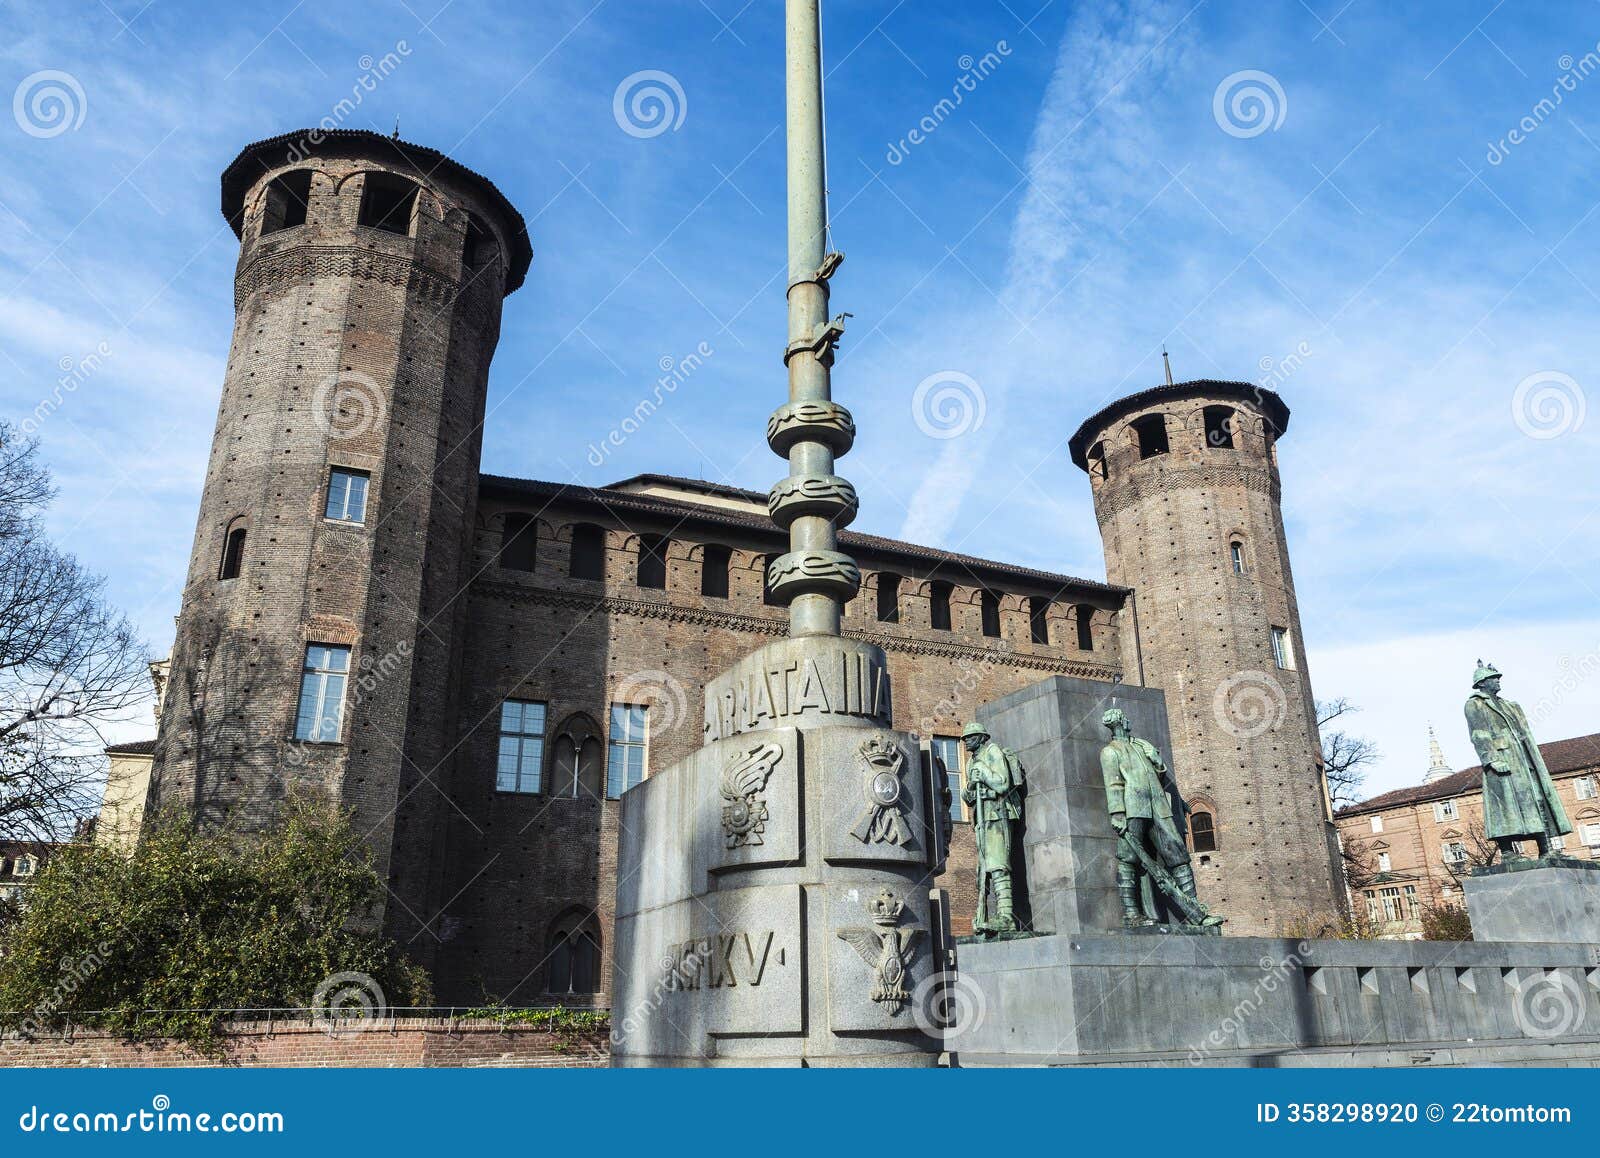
[1372,905]
[1385,864]
[519,765]
[347,495]
[1558,843]
[1444,810]
[1584,786]
[1282,652]
[1455,852]
[27,864]
[321,715]
[1391,904]
[948,751]
[1591,835]
[1377,824]
[1236,556]
[1413,909]
[627,748]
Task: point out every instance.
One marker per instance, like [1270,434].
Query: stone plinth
[1115,999]
[1069,846]
[1545,900]
[773,901]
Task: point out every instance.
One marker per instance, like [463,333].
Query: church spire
[1437,765]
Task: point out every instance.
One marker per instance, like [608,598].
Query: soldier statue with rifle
[1150,833]
[994,789]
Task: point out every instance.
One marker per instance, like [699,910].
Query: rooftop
[275,152]
[133,748]
[1560,756]
[647,494]
[1272,406]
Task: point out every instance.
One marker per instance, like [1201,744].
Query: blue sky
[1367,231]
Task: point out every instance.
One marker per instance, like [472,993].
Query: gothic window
[577,763]
[518,542]
[1084,614]
[627,748]
[1151,431]
[572,960]
[888,597]
[652,568]
[714,560]
[1219,427]
[1039,619]
[991,614]
[588,552]
[939,604]
[322,678]
[286,201]
[387,203]
[1202,832]
[347,496]
[519,762]
[233,554]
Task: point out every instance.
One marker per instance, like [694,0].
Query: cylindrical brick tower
[316,643]
[1186,492]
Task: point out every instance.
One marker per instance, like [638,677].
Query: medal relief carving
[744,809]
[882,765]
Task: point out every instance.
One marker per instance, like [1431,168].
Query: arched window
[1152,433]
[991,614]
[1236,555]
[387,203]
[478,249]
[1097,461]
[888,597]
[939,604]
[572,961]
[1219,427]
[652,568]
[1202,832]
[518,541]
[1039,619]
[577,761]
[286,201]
[714,560]
[1084,614]
[588,552]
[233,553]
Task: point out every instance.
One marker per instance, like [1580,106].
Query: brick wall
[400,1042]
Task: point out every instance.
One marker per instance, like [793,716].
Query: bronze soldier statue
[1139,796]
[994,790]
[1519,798]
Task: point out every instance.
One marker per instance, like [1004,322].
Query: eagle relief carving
[744,810]
[886,949]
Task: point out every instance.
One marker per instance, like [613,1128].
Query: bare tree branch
[1345,758]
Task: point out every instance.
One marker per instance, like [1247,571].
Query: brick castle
[479,666]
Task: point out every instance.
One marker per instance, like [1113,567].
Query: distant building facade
[478,667]
[1408,849]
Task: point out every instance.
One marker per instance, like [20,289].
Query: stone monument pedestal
[1554,899]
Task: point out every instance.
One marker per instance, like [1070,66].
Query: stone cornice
[304,262]
[779,625]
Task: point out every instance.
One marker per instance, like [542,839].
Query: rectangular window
[1282,652]
[321,715]
[1039,619]
[1444,810]
[626,747]
[1377,824]
[1391,905]
[1385,864]
[1372,905]
[1455,852]
[1591,835]
[520,763]
[1585,787]
[948,750]
[519,545]
[1558,843]
[1236,553]
[1413,910]
[347,495]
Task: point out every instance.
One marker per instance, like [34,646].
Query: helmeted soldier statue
[1139,796]
[994,790]
[1519,799]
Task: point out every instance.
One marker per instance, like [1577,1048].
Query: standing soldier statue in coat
[1519,799]
[1150,842]
[994,790]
